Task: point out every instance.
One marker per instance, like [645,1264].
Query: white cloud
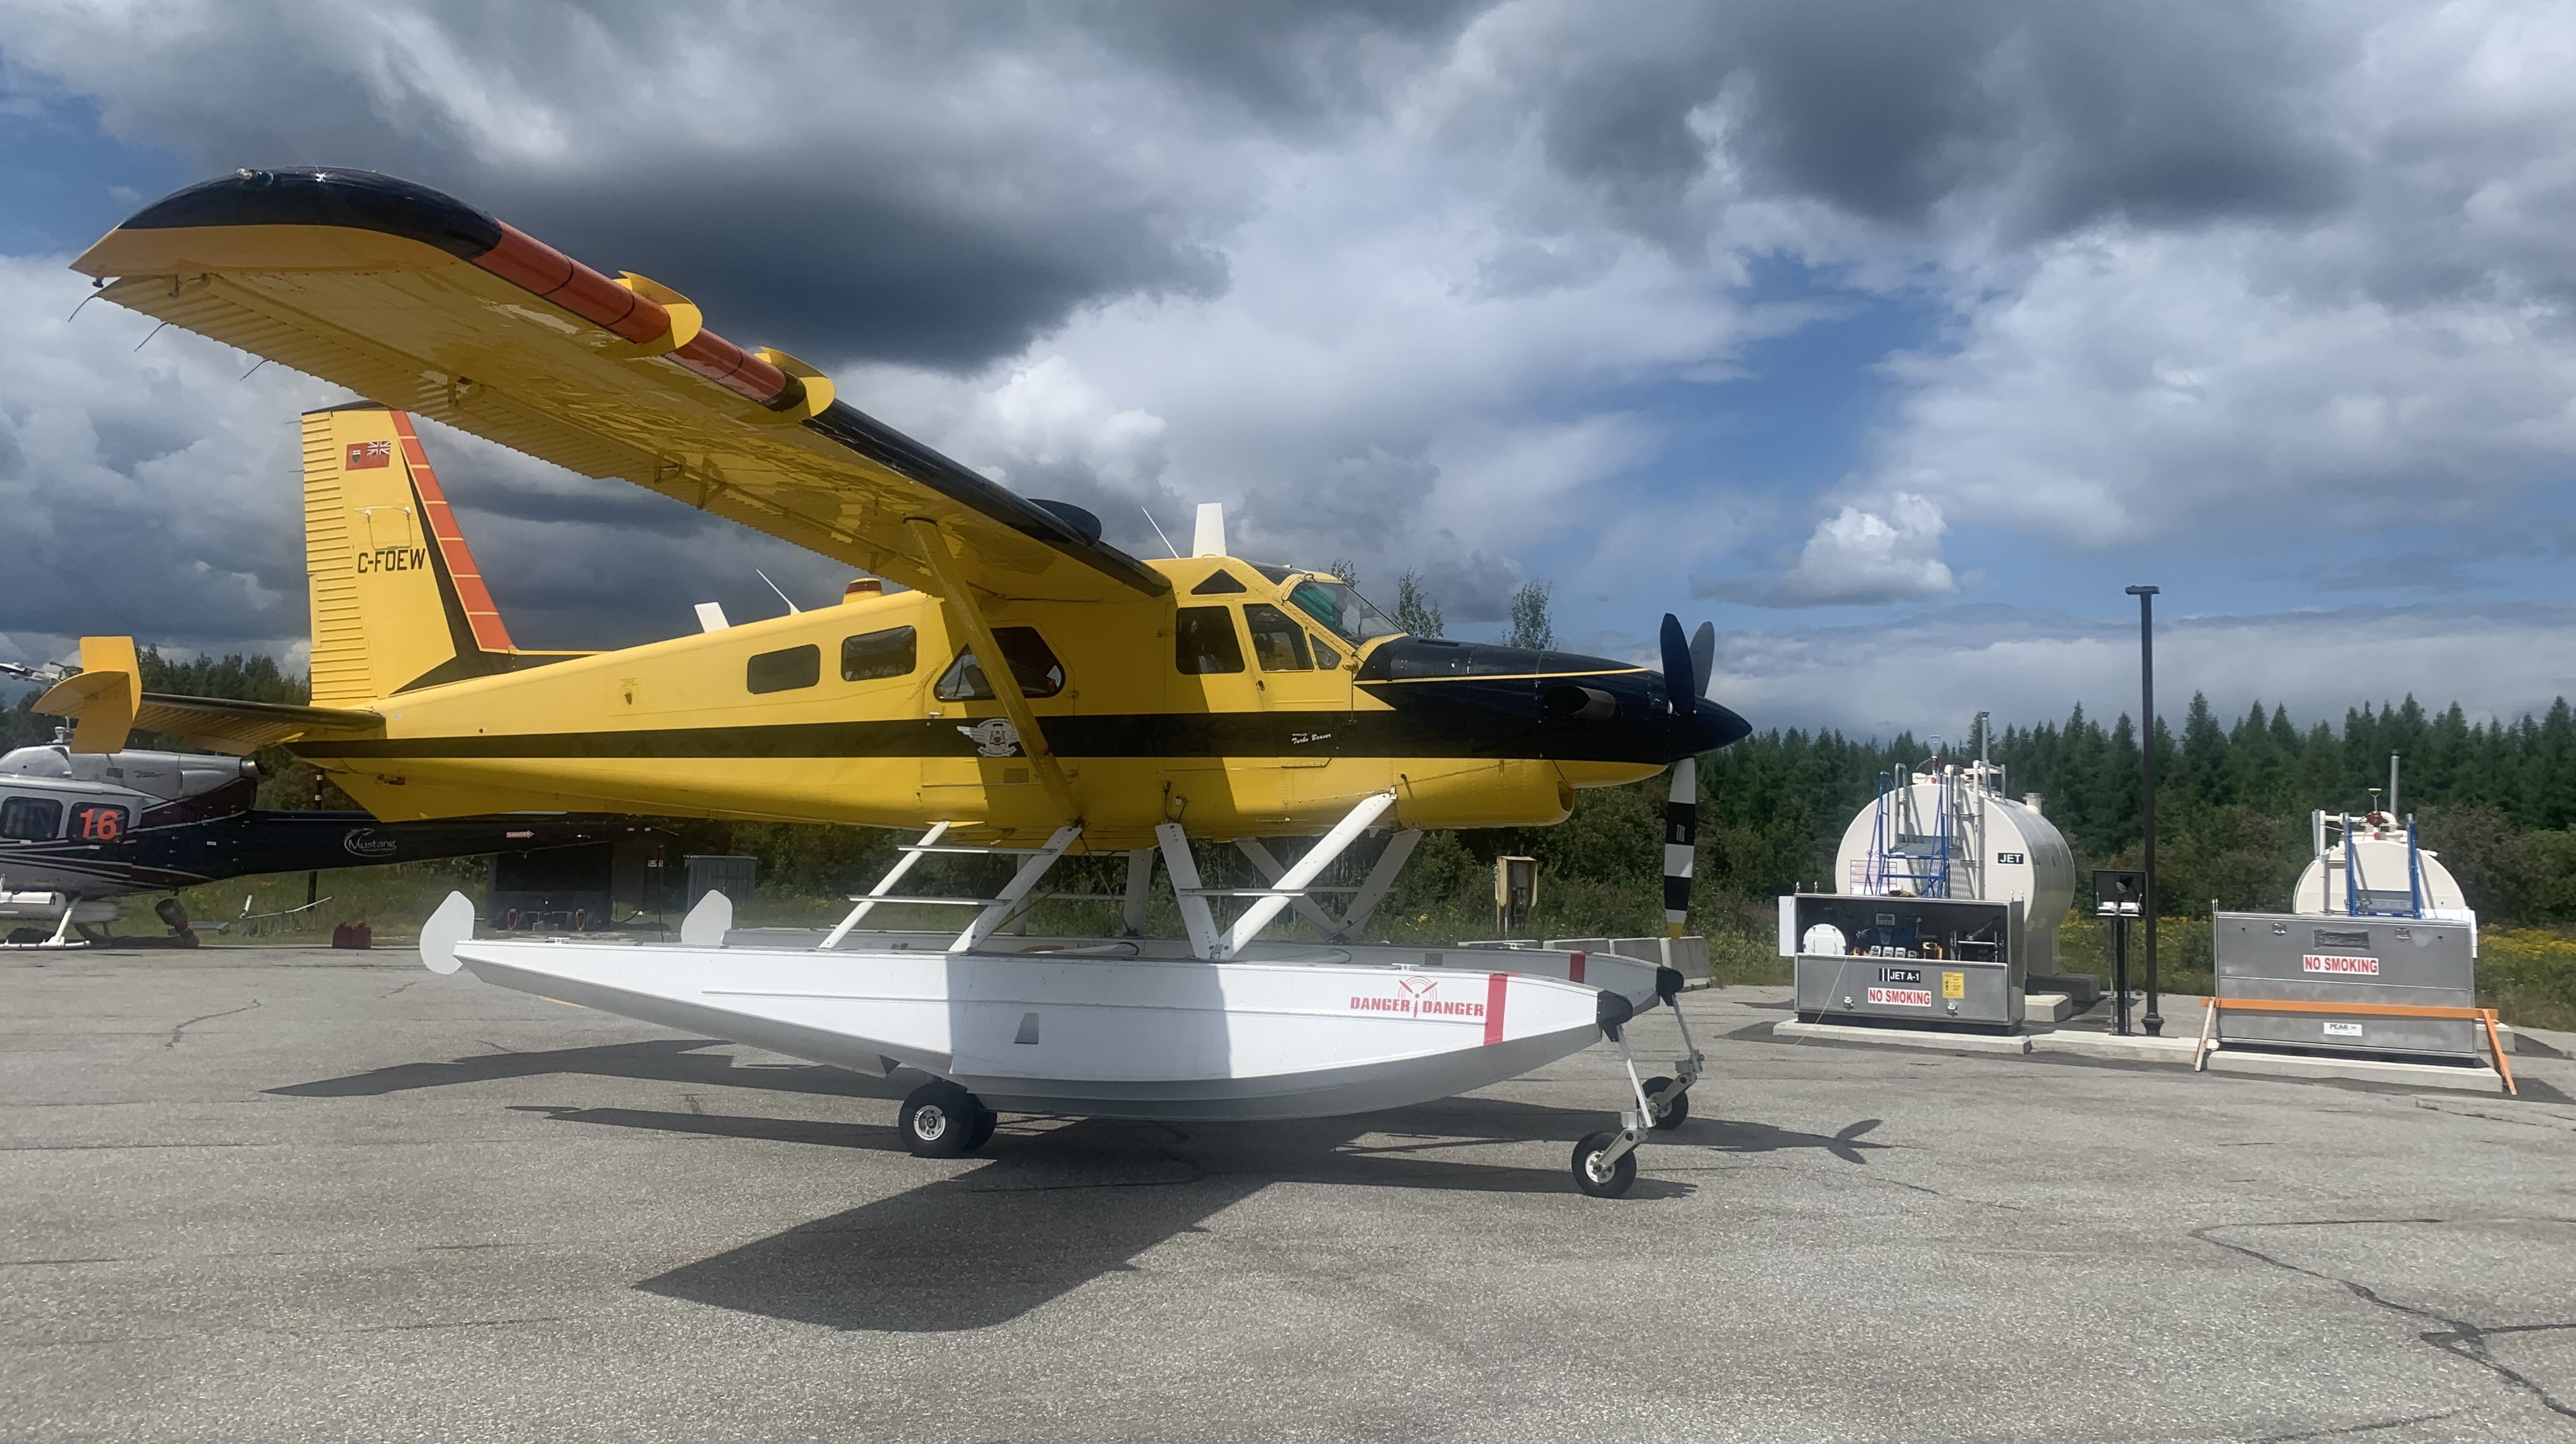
[1860,557]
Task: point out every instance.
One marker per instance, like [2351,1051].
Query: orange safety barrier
[2486,1016]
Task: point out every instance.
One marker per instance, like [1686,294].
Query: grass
[392,899]
[2528,975]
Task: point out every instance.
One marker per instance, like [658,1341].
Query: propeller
[1687,662]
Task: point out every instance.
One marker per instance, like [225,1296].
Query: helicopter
[82,832]
[1000,678]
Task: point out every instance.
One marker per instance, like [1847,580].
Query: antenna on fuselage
[792,608]
[1210,540]
[1158,531]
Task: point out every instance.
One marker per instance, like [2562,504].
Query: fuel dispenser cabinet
[1927,962]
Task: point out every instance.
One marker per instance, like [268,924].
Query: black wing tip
[326,196]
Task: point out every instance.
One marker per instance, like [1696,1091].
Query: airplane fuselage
[1199,707]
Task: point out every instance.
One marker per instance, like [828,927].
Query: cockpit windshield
[1342,610]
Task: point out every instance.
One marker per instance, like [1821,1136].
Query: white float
[1216,1027]
[1096,1029]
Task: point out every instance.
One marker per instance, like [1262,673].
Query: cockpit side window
[1203,641]
[1033,665]
[1278,643]
[30,819]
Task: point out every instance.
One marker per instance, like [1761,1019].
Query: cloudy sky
[1896,338]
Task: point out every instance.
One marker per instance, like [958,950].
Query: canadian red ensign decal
[2336,963]
[364,454]
[1902,997]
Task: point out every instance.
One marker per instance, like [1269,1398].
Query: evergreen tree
[1532,628]
[1415,611]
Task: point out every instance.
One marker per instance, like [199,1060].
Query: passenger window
[1033,665]
[1219,584]
[784,671]
[30,819]
[1203,641]
[99,822]
[1326,657]
[1277,643]
[890,653]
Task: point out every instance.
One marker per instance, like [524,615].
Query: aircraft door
[1305,686]
[1297,670]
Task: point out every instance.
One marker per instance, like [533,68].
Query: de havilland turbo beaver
[1034,691]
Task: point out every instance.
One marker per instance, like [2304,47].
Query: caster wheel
[939,1120]
[1676,1108]
[982,1133]
[1596,1180]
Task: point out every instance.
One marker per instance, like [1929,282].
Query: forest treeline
[2496,799]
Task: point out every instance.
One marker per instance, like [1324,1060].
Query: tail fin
[397,599]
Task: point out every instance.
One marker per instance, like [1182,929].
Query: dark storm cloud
[899,272]
[2063,114]
[931,185]
[1292,62]
[939,185]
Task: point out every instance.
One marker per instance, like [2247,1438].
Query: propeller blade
[1681,844]
[1703,654]
[1678,676]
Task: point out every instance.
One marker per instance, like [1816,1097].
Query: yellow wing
[422,303]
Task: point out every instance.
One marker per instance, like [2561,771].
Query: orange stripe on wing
[481,616]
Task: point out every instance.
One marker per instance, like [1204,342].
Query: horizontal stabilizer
[107,701]
[102,696]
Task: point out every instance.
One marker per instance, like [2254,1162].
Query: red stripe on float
[1497,987]
[1574,970]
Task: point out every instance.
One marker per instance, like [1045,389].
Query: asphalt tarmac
[255,1194]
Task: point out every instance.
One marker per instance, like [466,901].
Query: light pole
[2147,785]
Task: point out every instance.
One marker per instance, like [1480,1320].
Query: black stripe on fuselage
[1464,732]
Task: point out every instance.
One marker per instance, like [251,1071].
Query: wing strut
[964,616]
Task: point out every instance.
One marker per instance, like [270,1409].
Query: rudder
[398,601]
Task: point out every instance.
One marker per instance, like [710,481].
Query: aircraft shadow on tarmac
[669,1060]
[1053,1204]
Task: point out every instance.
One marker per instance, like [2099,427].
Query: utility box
[1928,962]
[2308,958]
[720,872]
